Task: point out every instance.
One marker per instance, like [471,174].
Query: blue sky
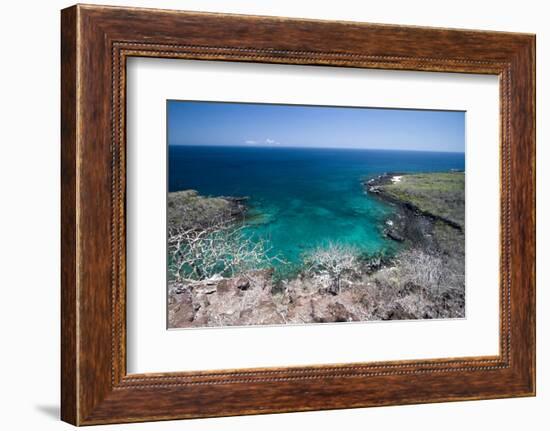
[267,125]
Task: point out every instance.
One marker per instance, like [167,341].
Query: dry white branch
[219,247]
[335,260]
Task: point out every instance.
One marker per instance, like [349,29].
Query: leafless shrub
[219,247]
[420,269]
[434,271]
[419,285]
[442,281]
[336,260]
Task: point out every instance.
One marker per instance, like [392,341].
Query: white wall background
[29,218]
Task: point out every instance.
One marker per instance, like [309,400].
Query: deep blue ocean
[300,197]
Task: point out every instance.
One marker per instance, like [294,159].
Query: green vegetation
[437,194]
[187,209]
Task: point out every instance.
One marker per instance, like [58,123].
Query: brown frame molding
[95,43]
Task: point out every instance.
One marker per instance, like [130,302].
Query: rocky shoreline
[410,223]
[375,186]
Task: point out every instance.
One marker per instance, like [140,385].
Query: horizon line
[315,148]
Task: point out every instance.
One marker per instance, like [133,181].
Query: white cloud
[266,141]
[270,141]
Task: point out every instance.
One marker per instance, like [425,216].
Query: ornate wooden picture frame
[96,41]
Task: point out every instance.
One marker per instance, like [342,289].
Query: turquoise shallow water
[302,198]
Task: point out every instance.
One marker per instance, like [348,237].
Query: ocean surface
[301,198]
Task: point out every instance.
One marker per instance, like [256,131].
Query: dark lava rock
[392,234]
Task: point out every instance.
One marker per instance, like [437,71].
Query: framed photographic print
[266,215]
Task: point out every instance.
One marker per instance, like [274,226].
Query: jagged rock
[204,289]
[181,311]
[300,309]
[265,312]
[339,313]
[241,283]
[327,309]
[242,300]
[392,234]
[398,313]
